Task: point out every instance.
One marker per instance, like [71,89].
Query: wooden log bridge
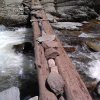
[57,76]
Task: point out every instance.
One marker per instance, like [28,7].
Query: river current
[13,62]
[16,60]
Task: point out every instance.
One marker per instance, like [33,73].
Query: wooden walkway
[50,58]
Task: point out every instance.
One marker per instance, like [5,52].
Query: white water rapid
[11,63]
[88,63]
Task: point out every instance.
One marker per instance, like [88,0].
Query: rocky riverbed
[73,10]
[76,23]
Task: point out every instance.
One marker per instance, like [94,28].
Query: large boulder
[12,13]
[78,13]
[71,10]
[76,10]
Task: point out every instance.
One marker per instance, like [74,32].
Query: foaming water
[9,60]
[88,63]
[94,66]
[12,63]
[94,70]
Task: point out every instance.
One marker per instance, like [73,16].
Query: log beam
[75,89]
[42,66]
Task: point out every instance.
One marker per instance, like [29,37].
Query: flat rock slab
[67,25]
[10,94]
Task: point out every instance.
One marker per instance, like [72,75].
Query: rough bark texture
[42,67]
[74,86]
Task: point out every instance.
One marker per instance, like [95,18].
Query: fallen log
[42,66]
[41,63]
[75,89]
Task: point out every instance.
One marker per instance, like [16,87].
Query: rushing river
[86,58]
[16,59]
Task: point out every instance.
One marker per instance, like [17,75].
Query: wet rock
[46,38]
[90,35]
[85,22]
[51,18]
[12,17]
[71,10]
[78,13]
[54,69]
[94,46]
[2,28]
[10,94]
[98,18]
[97,89]
[27,5]
[55,83]
[67,25]
[28,48]
[51,63]
[84,35]
[76,10]
[52,66]
[70,49]
[50,7]
[13,20]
